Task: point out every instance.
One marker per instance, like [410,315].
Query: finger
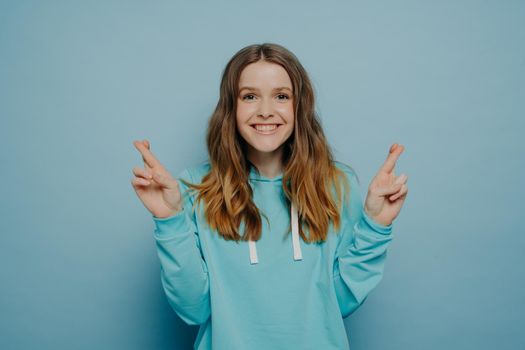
[137,181]
[390,162]
[165,181]
[146,166]
[139,172]
[389,190]
[401,179]
[148,157]
[403,191]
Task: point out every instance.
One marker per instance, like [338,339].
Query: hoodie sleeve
[360,256]
[184,274]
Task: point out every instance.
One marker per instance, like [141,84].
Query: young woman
[286,282]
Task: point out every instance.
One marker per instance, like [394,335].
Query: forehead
[263,74]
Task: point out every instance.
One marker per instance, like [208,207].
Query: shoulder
[353,202]
[354,194]
[350,173]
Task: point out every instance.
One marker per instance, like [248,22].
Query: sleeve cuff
[172,225]
[375,226]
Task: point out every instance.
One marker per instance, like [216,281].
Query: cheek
[286,111]
[243,112]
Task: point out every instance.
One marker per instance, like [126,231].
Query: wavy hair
[310,175]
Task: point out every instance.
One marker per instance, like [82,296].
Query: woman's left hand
[387,192]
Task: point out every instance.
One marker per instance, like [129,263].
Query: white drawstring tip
[297,254]
[253,252]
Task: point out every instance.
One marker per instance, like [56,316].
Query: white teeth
[266,127]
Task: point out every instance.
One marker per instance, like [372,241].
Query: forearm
[184,273]
[359,265]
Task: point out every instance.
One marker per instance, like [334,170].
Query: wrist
[376,226]
[169,214]
[377,220]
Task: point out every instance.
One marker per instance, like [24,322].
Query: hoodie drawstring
[297,254]
[253,252]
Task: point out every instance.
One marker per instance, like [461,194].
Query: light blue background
[79,81]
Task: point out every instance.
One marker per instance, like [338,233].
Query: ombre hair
[309,176]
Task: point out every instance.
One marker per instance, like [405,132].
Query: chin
[264,148]
[263,144]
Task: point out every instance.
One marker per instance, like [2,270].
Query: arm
[360,256]
[184,273]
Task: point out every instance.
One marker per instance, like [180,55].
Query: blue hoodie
[276,293]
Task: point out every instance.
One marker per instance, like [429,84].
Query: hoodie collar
[256,175]
[296,244]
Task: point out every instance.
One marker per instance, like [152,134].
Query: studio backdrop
[80,80]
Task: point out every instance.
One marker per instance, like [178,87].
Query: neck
[269,164]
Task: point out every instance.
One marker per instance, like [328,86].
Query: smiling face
[265,115]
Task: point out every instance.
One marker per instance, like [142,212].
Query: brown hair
[309,171]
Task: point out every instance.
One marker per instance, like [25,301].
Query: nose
[265,108]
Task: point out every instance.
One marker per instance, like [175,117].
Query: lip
[271,132]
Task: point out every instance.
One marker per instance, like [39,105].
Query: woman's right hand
[154,185]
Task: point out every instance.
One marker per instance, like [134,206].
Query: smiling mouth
[265,128]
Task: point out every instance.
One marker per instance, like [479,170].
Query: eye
[247,95]
[281,96]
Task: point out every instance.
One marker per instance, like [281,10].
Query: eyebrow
[255,89]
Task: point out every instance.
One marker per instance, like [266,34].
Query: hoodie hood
[255,175]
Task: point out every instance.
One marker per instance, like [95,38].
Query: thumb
[163,180]
[394,188]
